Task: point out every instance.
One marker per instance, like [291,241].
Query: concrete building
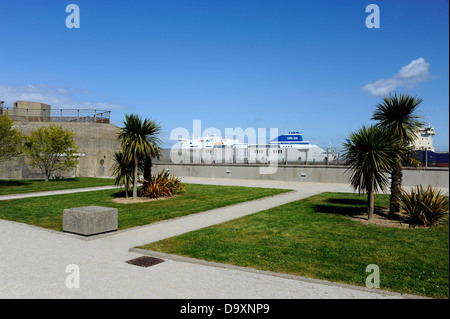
[31,111]
[95,137]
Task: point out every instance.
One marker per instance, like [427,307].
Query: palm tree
[122,171]
[139,140]
[398,114]
[370,153]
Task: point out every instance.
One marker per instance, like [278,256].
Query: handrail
[57,115]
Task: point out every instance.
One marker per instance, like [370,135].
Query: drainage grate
[144,261]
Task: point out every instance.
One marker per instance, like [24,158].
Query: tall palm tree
[398,114]
[139,140]
[370,153]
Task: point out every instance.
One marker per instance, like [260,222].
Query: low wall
[436,177]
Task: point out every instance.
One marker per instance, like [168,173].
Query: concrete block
[90,220]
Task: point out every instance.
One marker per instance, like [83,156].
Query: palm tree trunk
[396,187]
[135,178]
[371,198]
[148,169]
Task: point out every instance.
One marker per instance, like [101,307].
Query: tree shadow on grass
[347,201]
[26,182]
[340,210]
[352,207]
[72,179]
[121,194]
[342,206]
[7,183]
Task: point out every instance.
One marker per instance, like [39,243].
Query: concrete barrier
[436,177]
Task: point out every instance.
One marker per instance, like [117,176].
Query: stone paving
[36,263]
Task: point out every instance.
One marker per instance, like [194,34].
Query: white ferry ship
[296,149]
[286,148]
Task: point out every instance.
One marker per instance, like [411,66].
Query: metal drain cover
[144,261]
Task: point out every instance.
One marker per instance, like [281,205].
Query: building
[95,137]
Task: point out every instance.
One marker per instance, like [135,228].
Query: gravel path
[34,260]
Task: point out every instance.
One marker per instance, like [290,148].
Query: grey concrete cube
[90,220]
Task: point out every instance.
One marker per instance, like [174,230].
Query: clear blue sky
[309,66]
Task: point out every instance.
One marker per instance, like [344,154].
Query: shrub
[423,206]
[10,139]
[161,185]
[52,149]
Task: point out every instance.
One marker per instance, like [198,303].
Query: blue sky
[308,66]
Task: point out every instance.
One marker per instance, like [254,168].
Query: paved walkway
[33,260]
[57,192]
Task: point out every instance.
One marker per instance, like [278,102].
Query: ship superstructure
[424,139]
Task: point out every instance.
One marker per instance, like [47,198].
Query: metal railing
[243,156]
[229,156]
[57,115]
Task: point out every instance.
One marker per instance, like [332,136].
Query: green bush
[423,206]
[161,185]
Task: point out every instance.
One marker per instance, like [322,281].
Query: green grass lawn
[12,186]
[315,238]
[47,212]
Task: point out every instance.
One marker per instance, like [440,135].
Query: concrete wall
[437,177]
[96,142]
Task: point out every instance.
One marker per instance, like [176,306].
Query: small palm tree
[398,114]
[370,152]
[139,140]
[122,171]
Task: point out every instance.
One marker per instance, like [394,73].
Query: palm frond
[398,113]
[370,153]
